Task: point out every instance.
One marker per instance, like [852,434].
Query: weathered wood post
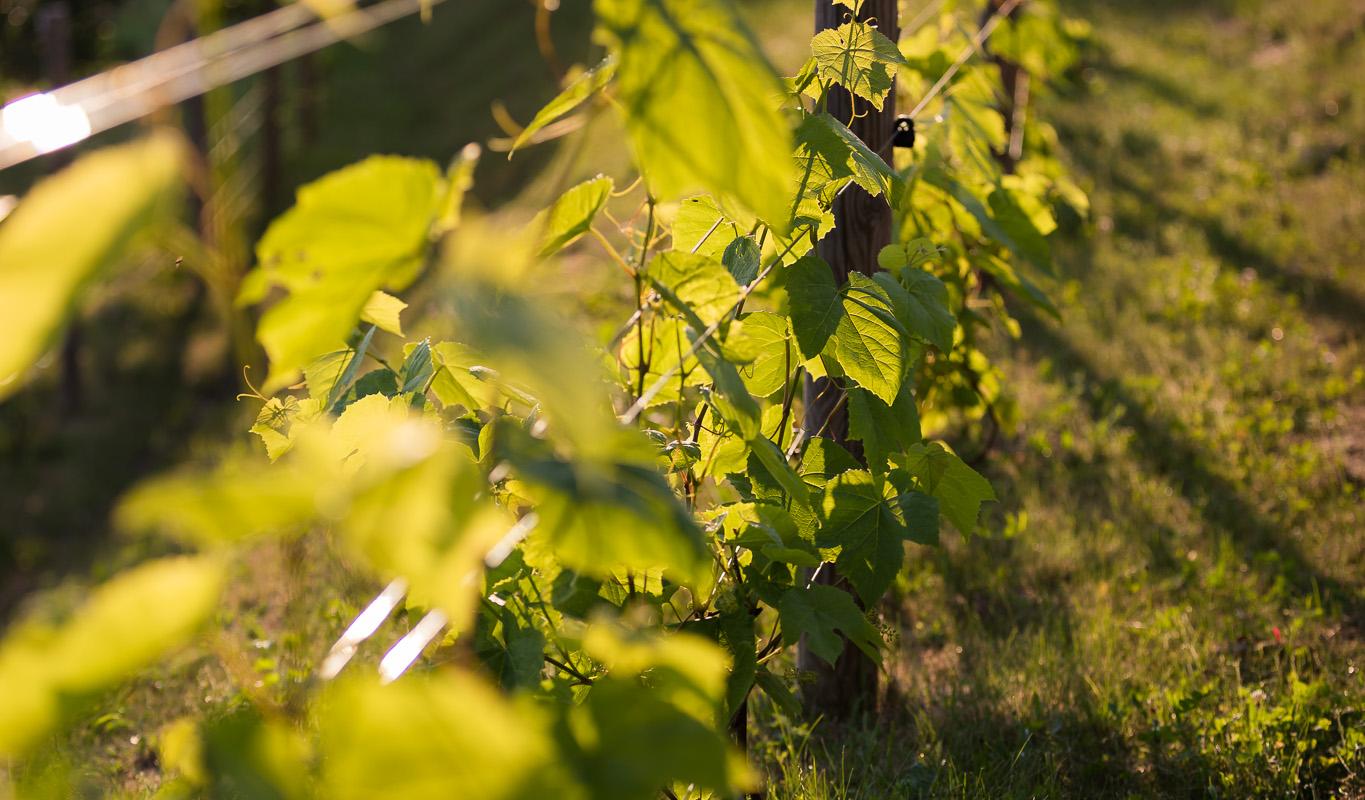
[862,229]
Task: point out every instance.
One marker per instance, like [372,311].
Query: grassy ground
[1172,601]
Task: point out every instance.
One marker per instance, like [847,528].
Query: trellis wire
[134,90]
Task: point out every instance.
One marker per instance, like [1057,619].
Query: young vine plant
[618,535]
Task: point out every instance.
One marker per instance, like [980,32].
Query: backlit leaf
[65,231]
[858,57]
[125,625]
[351,233]
[572,214]
[867,346]
[960,490]
[574,95]
[698,96]
[830,156]
[382,310]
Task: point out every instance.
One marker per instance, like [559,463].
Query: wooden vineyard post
[862,229]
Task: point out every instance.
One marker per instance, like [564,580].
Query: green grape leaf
[884,430]
[775,464]
[815,307]
[350,233]
[574,95]
[604,518]
[913,254]
[920,301]
[742,257]
[349,367]
[704,228]
[665,342]
[723,447]
[68,229]
[867,345]
[380,381]
[709,285]
[829,155]
[699,283]
[636,734]
[572,214]
[821,613]
[1007,207]
[824,459]
[767,334]
[769,529]
[382,310]
[417,520]
[858,57]
[959,489]
[1005,223]
[238,501]
[921,517]
[730,396]
[736,635]
[688,62]
[861,517]
[323,376]
[517,656]
[401,740]
[454,384]
[125,625]
[276,419]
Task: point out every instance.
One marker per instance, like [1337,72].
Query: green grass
[1171,598]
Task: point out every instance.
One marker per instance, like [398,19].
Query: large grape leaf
[439,735]
[700,282]
[351,233]
[862,518]
[65,231]
[960,490]
[820,613]
[768,336]
[651,719]
[867,344]
[858,57]
[883,429]
[703,227]
[920,302]
[830,156]
[775,464]
[815,307]
[699,102]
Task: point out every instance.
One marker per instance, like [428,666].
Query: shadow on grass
[1167,451]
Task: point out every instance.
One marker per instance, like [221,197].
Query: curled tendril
[254,393]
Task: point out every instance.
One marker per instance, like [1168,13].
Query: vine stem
[642,367]
[633,412]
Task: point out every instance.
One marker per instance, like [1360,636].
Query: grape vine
[612,543]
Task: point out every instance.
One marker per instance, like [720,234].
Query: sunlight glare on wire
[43,122]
